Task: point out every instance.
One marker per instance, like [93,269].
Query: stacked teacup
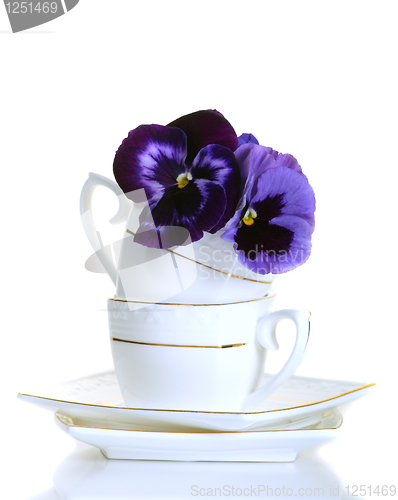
[189,325]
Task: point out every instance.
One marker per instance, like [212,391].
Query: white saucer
[239,446]
[98,398]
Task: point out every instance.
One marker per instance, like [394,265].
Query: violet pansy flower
[272,227]
[188,172]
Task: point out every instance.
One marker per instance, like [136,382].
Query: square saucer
[98,398]
[268,445]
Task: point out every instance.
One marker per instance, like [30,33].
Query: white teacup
[199,357]
[206,271]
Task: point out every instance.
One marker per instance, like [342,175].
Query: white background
[317,79]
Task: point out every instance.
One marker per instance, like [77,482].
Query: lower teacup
[200,357]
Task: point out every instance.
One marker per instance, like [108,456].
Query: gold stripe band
[176,345]
[209,267]
[191,305]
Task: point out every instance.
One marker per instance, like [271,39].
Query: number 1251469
[31,7]
[361,490]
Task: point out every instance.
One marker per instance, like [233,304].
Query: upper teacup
[204,272]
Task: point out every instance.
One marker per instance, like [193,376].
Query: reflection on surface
[50,494]
[87,474]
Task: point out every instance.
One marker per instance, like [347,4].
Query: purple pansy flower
[188,172]
[272,227]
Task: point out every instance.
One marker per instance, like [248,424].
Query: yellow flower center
[183,179]
[249,217]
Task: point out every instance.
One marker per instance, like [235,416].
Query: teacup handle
[266,336]
[93,181]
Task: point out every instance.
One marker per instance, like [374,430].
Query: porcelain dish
[268,445]
[98,398]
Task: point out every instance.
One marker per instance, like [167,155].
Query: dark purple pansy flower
[245,138]
[272,228]
[198,195]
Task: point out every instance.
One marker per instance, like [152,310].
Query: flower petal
[286,259]
[287,160]
[229,230]
[218,164]
[203,128]
[297,195]
[197,207]
[261,153]
[262,237]
[253,160]
[151,157]
[243,157]
[247,138]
